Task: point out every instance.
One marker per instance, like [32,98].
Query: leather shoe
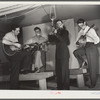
[89,85]
[24,72]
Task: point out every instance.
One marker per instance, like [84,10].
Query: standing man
[39,58]
[18,59]
[89,50]
[61,38]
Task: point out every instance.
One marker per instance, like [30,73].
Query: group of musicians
[23,60]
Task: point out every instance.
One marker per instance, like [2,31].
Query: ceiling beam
[16,8]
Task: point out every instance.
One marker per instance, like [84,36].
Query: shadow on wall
[46,18]
[2,55]
[50,56]
[70,26]
[50,63]
[4,28]
[4,64]
[18,20]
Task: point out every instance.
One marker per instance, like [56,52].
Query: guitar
[11,50]
[82,40]
[40,46]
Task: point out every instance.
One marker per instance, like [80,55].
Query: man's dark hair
[37,28]
[80,21]
[58,20]
[13,27]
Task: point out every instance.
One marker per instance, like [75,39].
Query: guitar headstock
[92,26]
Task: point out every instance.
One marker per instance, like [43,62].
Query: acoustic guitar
[11,50]
[82,40]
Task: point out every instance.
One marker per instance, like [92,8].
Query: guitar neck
[89,29]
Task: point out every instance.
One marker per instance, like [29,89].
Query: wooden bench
[78,74]
[41,77]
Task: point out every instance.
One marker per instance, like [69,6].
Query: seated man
[39,57]
[16,56]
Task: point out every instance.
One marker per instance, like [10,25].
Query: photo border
[49,94]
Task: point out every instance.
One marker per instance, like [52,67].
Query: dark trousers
[93,62]
[22,58]
[43,58]
[62,70]
[79,54]
[91,52]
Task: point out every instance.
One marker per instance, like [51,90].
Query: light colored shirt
[9,37]
[36,39]
[91,35]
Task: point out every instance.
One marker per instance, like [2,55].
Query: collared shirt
[10,37]
[36,39]
[91,35]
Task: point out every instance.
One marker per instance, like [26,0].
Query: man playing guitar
[18,59]
[39,57]
[89,50]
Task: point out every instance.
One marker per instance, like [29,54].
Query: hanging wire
[52,14]
[10,8]
[45,11]
[24,13]
[31,8]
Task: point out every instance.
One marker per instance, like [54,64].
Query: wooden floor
[51,85]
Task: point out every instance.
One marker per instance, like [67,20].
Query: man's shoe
[24,72]
[37,70]
[90,86]
[84,65]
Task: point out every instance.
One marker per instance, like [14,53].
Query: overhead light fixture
[52,13]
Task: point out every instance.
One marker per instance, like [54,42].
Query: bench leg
[80,80]
[42,84]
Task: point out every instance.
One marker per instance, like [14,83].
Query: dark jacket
[61,39]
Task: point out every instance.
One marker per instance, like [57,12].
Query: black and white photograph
[51,47]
